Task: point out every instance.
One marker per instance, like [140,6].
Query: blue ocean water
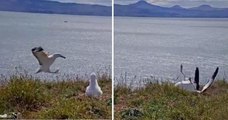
[146,47]
[84,40]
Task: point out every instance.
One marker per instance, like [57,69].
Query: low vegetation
[167,102]
[35,98]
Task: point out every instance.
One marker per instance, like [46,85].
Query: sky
[183,3]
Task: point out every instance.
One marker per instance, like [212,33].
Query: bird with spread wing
[45,60]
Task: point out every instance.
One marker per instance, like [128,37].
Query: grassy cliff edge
[167,102]
[35,98]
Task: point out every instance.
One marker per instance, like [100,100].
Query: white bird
[187,84]
[93,89]
[11,116]
[194,87]
[45,60]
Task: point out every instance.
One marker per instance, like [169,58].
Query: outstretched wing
[197,78]
[209,83]
[40,55]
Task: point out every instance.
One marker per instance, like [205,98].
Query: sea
[85,41]
[148,48]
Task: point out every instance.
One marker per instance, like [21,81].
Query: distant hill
[53,7]
[138,9]
[145,9]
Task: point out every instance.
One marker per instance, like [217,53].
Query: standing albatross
[45,60]
[93,90]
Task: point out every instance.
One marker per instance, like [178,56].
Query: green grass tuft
[167,102]
[39,99]
[21,94]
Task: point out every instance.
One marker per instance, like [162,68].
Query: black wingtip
[37,49]
[215,73]
[40,49]
[197,78]
[181,68]
[33,49]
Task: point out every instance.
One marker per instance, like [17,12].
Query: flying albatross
[45,60]
[194,87]
[93,90]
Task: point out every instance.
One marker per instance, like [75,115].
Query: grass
[167,102]
[38,99]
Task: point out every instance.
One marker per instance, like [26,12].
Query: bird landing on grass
[93,90]
[194,86]
[45,60]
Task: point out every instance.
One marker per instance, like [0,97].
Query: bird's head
[93,76]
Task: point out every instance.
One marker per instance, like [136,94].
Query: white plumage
[194,87]
[93,89]
[11,116]
[210,82]
[186,85]
[45,60]
[4,116]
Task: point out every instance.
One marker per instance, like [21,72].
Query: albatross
[93,90]
[45,60]
[195,87]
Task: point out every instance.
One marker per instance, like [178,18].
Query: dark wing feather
[37,49]
[209,83]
